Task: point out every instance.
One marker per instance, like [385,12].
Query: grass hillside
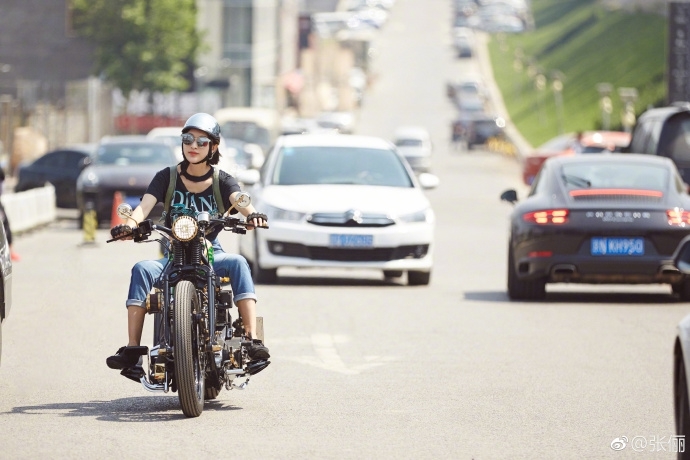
[586,44]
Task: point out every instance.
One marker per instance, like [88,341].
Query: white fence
[30,209]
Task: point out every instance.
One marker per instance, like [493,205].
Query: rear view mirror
[509,196]
[428,181]
[681,258]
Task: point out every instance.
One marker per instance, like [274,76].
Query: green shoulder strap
[216,192]
[171,189]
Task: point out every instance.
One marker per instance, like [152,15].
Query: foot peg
[133,373]
[256,366]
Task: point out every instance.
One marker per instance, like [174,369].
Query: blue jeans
[234,266]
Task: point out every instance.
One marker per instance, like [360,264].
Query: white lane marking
[327,356]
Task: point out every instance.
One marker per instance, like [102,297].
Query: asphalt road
[361,368]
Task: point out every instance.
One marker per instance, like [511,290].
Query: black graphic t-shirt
[204,201]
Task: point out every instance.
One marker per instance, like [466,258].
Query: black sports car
[124,164]
[610,218]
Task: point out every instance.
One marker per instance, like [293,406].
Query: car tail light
[550,216]
[678,216]
[540,254]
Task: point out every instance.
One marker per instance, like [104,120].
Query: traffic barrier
[115,218]
[89,223]
[30,209]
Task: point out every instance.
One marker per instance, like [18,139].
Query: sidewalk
[484,61]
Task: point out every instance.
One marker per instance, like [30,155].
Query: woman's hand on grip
[257,219]
[122,232]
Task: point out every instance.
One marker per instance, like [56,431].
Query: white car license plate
[351,241]
[603,246]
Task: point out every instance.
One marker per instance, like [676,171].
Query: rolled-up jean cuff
[246,295]
[135,303]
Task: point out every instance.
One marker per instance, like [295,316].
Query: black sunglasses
[201,141]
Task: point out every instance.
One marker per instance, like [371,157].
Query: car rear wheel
[523,290]
[682,289]
[681,403]
[415,278]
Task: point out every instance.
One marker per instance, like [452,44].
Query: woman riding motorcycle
[194,189]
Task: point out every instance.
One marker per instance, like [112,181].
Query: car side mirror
[681,258]
[428,181]
[509,196]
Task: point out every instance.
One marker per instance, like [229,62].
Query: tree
[140,44]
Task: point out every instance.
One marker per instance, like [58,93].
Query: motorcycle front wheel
[189,373]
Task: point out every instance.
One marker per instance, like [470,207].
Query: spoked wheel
[189,371]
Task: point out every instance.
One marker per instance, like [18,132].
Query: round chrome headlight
[184,228]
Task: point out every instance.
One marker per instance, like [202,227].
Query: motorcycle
[197,347]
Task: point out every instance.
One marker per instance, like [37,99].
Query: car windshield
[246,131]
[340,165]
[134,154]
[615,175]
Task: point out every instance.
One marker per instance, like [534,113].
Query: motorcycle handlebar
[144,228]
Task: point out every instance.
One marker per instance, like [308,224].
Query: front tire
[682,289]
[189,373]
[261,275]
[416,278]
[682,405]
[523,290]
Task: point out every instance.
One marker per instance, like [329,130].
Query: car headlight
[424,215]
[274,214]
[184,228]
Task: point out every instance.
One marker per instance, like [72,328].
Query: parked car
[6,280]
[614,218]
[343,201]
[59,167]
[343,122]
[477,128]
[123,164]
[414,143]
[664,131]
[571,144]
[463,42]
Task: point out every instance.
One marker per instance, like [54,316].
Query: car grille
[347,254]
[350,219]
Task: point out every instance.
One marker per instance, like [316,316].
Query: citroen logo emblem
[353,215]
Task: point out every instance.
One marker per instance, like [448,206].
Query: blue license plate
[351,241]
[602,246]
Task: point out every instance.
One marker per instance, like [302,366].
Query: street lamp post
[605,104]
[628,97]
[557,86]
[518,67]
[540,84]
